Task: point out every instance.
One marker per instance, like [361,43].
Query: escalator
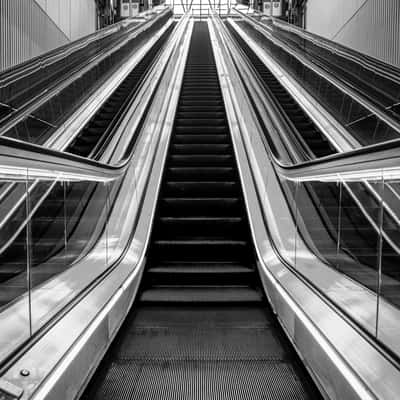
[51,218]
[309,132]
[356,254]
[365,123]
[374,85]
[50,112]
[201,326]
[98,131]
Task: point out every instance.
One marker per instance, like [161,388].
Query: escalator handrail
[29,107]
[381,160]
[17,157]
[42,61]
[346,88]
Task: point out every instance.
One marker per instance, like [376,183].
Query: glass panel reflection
[338,243]
[68,219]
[359,234]
[14,271]
[47,239]
[86,216]
[14,280]
[390,278]
[317,214]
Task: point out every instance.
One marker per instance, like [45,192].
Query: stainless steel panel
[25,32]
[29,28]
[371,27]
[82,18]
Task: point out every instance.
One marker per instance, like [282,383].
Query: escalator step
[197,129]
[201,139]
[202,107]
[201,268]
[201,207]
[201,294]
[201,250]
[199,189]
[223,343]
[199,114]
[201,173]
[200,274]
[202,104]
[201,160]
[200,148]
[192,122]
[204,226]
[211,316]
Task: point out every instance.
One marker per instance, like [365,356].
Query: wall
[29,28]
[75,18]
[369,26]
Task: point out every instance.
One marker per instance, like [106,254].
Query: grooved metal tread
[200,380]
[202,343]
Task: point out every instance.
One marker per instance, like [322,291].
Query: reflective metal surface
[306,293]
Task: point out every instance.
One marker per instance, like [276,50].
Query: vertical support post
[296,231]
[380,250]
[339,235]
[65,218]
[28,249]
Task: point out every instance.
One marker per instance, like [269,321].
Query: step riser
[201,139]
[211,149]
[200,175]
[201,228]
[201,253]
[200,279]
[201,160]
[185,189]
[200,208]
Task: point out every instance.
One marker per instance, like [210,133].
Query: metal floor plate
[197,380]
